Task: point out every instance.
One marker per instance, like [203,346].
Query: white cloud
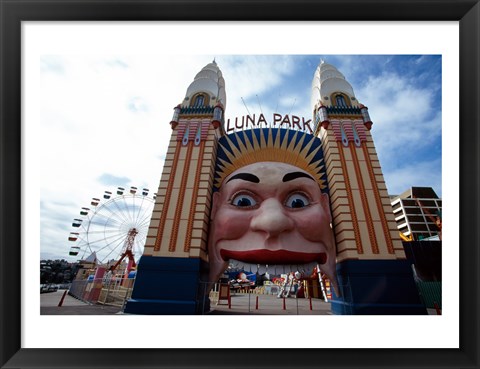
[105,115]
[52,64]
[137,105]
[404,122]
[420,174]
[247,77]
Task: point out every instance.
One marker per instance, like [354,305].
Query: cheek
[231,224]
[313,224]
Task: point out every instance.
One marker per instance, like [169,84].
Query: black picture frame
[466,12]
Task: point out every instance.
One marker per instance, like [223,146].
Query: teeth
[273,270]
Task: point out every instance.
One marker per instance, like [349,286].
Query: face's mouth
[274,257]
[274,262]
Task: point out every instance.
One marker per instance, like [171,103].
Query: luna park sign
[257,121]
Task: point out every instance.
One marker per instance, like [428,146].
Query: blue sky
[403,94]
[105,119]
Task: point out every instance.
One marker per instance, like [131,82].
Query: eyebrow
[291,176]
[246,177]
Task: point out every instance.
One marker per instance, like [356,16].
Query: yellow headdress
[297,148]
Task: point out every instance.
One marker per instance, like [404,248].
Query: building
[172,274]
[374,274]
[368,242]
[418,214]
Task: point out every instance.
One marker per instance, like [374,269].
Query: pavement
[71,306]
[246,303]
[241,304]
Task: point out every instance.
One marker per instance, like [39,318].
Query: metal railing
[220,299]
[114,291]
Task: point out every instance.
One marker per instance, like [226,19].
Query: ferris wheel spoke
[114,237]
[125,216]
[100,237]
[97,243]
[104,227]
[145,214]
[145,220]
[105,258]
[112,223]
[112,246]
[133,210]
[139,246]
[140,207]
[111,252]
[104,218]
[111,213]
[80,238]
[102,232]
[143,225]
[82,228]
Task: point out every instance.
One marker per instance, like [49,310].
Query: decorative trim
[188,239]
[347,249]
[187,130]
[363,196]
[378,199]
[334,101]
[181,198]
[297,148]
[360,128]
[356,231]
[168,195]
[205,103]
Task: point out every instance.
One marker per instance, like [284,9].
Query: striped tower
[174,262]
[372,270]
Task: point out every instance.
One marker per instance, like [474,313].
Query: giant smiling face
[271,213]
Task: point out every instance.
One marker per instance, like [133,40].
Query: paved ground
[246,303]
[240,304]
[71,306]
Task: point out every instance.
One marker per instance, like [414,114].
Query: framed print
[40,39]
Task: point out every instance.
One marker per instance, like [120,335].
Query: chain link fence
[113,291]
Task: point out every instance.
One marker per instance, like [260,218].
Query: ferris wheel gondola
[113,227]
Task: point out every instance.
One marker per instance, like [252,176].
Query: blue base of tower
[169,286]
[377,287]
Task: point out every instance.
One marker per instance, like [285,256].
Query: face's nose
[271,218]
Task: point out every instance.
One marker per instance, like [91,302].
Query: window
[340,101]
[199,101]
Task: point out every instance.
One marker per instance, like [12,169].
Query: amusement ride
[113,228]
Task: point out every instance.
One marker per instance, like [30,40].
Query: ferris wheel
[114,227]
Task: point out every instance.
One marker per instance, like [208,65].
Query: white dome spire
[329,82]
[208,81]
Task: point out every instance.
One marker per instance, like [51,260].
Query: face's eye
[243,201]
[296,201]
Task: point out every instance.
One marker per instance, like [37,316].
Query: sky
[104,120]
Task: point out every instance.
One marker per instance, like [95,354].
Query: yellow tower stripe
[378,200]
[168,196]
[191,216]
[356,231]
[363,196]
[178,209]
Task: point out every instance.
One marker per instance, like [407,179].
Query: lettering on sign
[257,121]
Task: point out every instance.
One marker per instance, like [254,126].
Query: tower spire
[207,86]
